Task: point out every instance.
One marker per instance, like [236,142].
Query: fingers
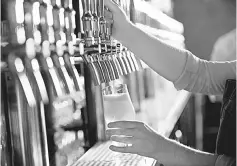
[124,132]
[126,149]
[125,124]
[125,140]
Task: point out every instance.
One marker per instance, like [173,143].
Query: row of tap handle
[41,38]
[106,57]
[51,24]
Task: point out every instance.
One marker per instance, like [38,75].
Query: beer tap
[67,59]
[105,34]
[91,64]
[31,62]
[108,61]
[117,70]
[92,49]
[67,18]
[99,65]
[32,149]
[135,61]
[109,66]
[113,57]
[102,21]
[44,37]
[117,64]
[60,108]
[125,59]
[33,71]
[120,60]
[130,61]
[111,45]
[57,53]
[87,19]
[95,18]
[92,67]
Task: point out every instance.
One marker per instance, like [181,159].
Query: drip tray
[100,155]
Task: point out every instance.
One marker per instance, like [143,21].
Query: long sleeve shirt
[201,76]
[206,77]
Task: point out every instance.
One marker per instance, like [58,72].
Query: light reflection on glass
[63,37]
[45,47]
[58,2]
[27,17]
[20,32]
[50,15]
[80,135]
[61,61]
[61,17]
[77,115]
[35,64]
[51,35]
[19,9]
[49,62]
[70,4]
[66,22]
[36,13]
[47,2]
[19,65]
[30,48]
[73,19]
[37,37]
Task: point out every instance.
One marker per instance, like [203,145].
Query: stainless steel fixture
[44,89]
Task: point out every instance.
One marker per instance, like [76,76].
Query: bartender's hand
[145,141]
[120,21]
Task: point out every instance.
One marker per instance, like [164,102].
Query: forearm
[166,60]
[181,155]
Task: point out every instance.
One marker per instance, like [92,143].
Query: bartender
[187,72]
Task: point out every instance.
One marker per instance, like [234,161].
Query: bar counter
[100,155]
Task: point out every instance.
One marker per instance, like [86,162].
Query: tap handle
[18,69]
[15,17]
[28,8]
[135,62]
[110,68]
[99,68]
[93,70]
[122,64]
[94,11]
[114,66]
[132,65]
[101,6]
[69,62]
[94,4]
[127,65]
[116,62]
[86,6]
[87,20]
[43,21]
[102,20]
[105,69]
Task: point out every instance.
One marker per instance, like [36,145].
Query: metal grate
[100,155]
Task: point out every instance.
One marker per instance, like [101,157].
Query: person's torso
[226,140]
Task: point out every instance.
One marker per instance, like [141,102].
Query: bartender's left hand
[145,141]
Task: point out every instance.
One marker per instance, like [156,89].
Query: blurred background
[54,108]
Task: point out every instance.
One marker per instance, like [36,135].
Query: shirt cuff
[223,160]
[191,68]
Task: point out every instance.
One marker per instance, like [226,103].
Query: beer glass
[117,106]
